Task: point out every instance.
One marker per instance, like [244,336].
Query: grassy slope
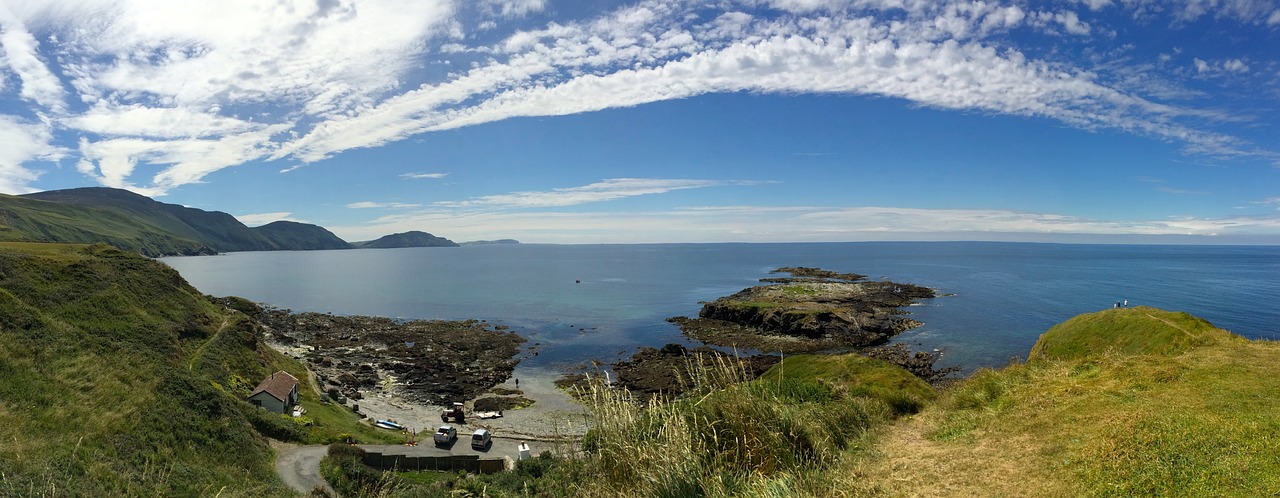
[23,219]
[1130,331]
[218,230]
[857,374]
[119,379]
[1100,412]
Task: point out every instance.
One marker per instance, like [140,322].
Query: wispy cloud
[23,142]
[796,224]
[1178,191]
[260,219]
[607,190]
[172,92]
[420,176]
[382,205]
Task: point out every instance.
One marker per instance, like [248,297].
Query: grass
[119,379]
[855,375]
[1130,331]
[30,220]
[1205,422]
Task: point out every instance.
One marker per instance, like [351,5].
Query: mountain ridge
[138,223]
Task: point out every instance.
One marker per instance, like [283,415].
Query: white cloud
[196,87]
[420,176]
[617,62]
[792,224]
[607,190]
[514,8]
[1096,5]
[113,161]
[22,143]
[18,52]
[138,120]
[382,205]
[204,86]
[1068,20]
[260,219]
[1220,68]
[1235,66]
[1248,11]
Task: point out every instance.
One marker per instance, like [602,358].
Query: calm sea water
[581,302]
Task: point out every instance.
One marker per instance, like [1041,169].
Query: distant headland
[140,224]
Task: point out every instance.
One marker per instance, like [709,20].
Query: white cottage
[277,393]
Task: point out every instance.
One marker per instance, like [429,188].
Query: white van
[480,439]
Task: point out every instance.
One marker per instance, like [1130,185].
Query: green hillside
[1123,402]
[291,235]
[407,239]
[23,219]
[854,373]
[218,230]
[138,223]
[117,378]
[1131,331]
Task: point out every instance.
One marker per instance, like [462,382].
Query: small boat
[387,424]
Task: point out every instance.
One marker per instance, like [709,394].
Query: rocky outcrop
[811,310]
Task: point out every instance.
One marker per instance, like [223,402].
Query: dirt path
[1169,323]
[299,466]
[191,364]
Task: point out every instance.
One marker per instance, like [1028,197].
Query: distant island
[407,239]
[491,242]
[140,224]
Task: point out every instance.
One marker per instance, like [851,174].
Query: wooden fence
[469,463]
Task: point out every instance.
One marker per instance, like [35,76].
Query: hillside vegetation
[412,238]
[1129,331]
[30,220]
[137,223]
[1123,402]
[117,378]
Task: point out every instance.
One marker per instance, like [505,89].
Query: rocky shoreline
[433,362]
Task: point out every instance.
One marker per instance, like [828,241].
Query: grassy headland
[1123,402]
[117,378]
[1127,402]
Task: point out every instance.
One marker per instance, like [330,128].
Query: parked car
[480,439]
[446,435]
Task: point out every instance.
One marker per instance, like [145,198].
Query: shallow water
[581,302]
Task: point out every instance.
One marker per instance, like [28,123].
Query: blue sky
[662,120]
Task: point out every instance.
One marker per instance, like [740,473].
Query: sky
[1125,121]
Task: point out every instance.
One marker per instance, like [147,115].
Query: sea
[578,303]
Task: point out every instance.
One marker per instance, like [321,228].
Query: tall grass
[727,436]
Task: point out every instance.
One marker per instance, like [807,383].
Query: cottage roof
[278,385]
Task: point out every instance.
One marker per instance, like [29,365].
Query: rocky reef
[811,310]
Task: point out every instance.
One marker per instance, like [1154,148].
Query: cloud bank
[156,95]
